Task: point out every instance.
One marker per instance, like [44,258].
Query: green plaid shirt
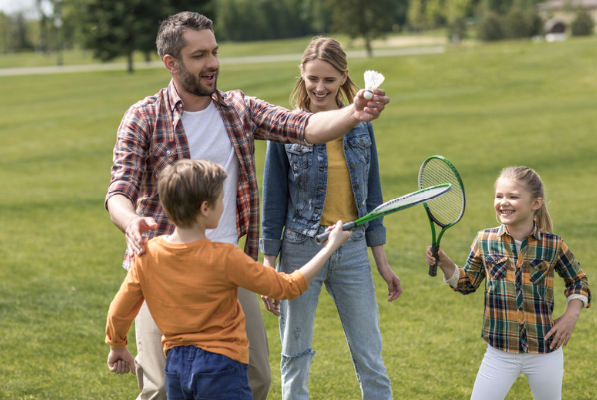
[519,288]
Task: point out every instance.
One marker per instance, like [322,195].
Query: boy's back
[191,291]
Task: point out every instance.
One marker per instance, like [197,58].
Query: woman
[306,189]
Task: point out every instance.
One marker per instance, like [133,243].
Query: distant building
[565,10]
[558,14]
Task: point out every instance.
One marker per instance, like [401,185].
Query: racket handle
[433,268]
[324,236]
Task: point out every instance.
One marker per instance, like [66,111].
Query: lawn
[484,107]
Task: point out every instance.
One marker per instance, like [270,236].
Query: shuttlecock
[372,81]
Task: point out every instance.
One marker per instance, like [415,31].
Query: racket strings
[448,208]
[415,198]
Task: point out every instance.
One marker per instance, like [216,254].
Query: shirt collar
[175,101]
[536,232]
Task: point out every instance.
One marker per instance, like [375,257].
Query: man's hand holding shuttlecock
[372,81]
[371,101]
[346,118]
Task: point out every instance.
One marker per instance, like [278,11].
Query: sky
[12,6]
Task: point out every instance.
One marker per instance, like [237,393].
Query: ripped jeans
[347,278]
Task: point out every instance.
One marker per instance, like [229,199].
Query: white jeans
[499,370]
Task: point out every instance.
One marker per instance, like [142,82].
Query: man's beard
[192,84]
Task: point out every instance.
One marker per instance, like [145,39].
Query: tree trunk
[129,59]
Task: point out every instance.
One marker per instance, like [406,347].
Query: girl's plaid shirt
[151,136]
[519,288]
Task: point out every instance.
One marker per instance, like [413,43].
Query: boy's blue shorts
[193,373]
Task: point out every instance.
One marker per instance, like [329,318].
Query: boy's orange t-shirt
[191,290]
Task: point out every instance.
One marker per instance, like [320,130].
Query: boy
[190,286]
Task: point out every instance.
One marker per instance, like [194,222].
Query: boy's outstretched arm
[335,240]
[120,361]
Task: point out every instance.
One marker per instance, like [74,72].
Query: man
[192,119]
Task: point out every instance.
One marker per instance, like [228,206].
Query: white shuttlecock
[372,81]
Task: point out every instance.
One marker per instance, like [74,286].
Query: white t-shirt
[208,140]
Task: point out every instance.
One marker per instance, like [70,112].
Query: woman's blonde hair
[532,181]
[330,51]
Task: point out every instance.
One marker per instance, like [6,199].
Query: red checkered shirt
[151,136]
[519,288]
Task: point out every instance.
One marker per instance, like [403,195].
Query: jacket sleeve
[375,233]
[275,198]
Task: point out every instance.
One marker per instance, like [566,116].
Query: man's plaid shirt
[519,288]
[151,136]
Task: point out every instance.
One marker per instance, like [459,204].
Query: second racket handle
[324,236]
[433,268]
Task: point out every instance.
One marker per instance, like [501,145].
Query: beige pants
[150,360]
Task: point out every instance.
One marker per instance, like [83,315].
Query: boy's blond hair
[185,185]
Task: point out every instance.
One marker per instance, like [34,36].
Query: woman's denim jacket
[294,187]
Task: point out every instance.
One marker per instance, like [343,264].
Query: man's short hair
[185,185]
[170,39]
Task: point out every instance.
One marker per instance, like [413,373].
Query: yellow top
[339,199]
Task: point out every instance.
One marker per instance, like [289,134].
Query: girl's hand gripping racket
[401,203]
[447,210]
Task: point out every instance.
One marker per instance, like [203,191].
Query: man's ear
[171,64]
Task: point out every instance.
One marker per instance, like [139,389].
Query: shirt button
[357,186]
[351,165]
[345,147]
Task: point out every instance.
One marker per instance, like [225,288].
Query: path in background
[223,61]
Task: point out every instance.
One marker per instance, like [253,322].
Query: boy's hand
[120,361]
[337,236]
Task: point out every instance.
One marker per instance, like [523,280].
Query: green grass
[483,107]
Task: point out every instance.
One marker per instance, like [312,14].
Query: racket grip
[433,268]
[324,236]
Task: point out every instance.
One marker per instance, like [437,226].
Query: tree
[490,28]
[456,13]
[583,24]
[416,15]
[116,28]
[363,18]
[515,24]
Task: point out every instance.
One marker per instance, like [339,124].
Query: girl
[518,259]
[304,190]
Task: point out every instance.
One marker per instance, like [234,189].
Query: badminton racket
[391,206]
[447,210]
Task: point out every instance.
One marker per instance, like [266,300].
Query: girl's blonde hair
[330,51]
[532,181]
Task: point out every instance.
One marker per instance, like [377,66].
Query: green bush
[457,30]
[534,23]
[490,28]
[515,24]
[583,24]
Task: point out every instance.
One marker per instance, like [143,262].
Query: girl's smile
[515,206]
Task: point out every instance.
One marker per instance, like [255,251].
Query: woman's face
[322,82]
